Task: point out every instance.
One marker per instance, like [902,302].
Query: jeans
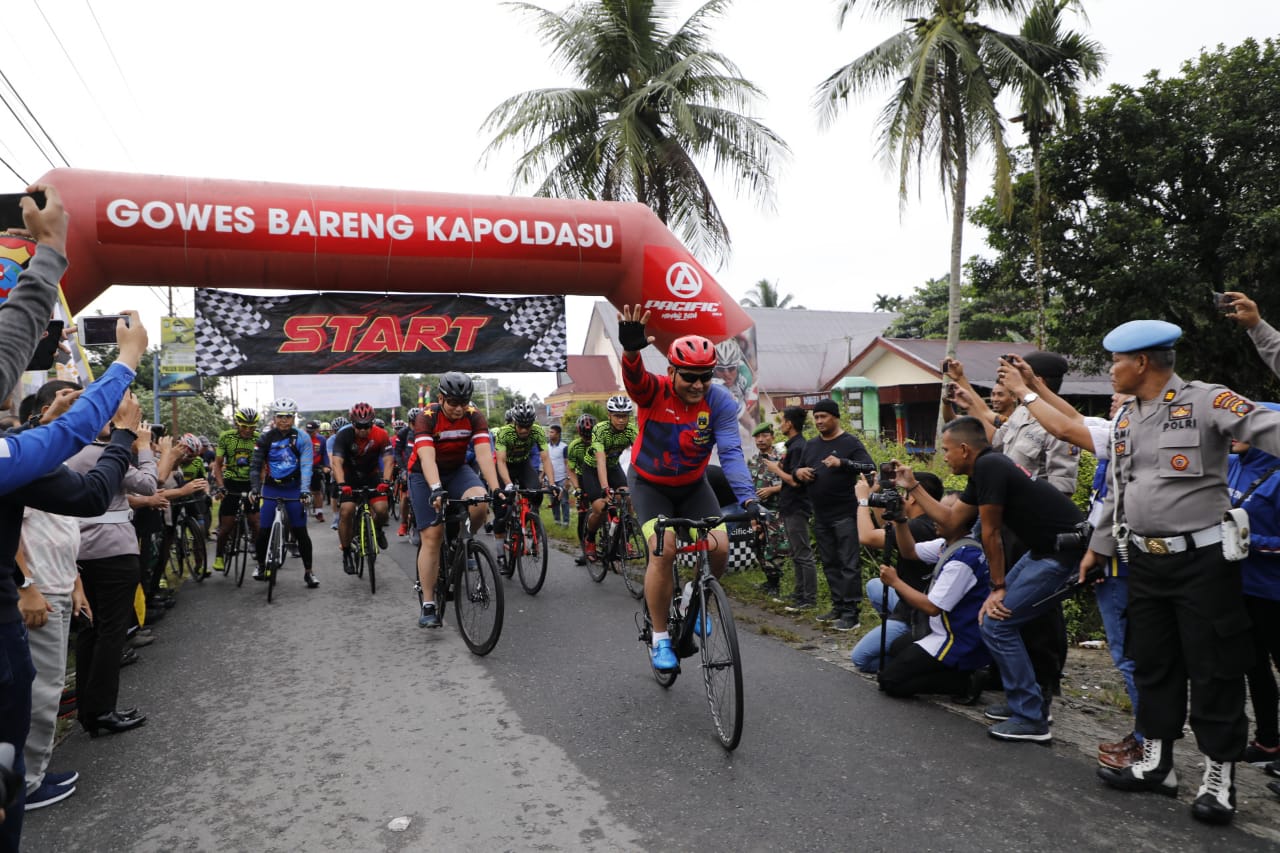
[1113,602]
[49,657]
[16,674]
[838,547]
[560,509]
[866,654]
[1029,581]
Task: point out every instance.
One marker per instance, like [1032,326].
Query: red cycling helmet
[362,414]
[692,351]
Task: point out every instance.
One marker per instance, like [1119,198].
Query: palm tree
[651,103]
[765,294]
[1054,95]
[946,69]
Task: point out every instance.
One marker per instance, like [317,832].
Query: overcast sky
[392,94]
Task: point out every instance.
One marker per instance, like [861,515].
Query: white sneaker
[1216,800]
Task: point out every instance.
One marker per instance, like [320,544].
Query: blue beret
[1138,335]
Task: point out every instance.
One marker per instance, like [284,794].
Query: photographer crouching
[896,615]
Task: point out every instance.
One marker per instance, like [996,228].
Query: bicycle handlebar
[664,523]
[480,499]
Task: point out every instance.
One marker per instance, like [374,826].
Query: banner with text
[316,333]
[178,356]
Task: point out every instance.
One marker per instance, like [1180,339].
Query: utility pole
[172,400]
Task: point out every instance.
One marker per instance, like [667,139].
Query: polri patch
[1182,410]
[1179,462]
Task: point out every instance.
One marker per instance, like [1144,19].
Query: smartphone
[951,392]
[11,208]
[47,347]
[888,473]
[100,331]
[1222,303]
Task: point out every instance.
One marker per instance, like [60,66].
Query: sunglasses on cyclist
[362,426]
[455,401]
[691,378]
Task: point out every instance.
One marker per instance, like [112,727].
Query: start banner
[318,333]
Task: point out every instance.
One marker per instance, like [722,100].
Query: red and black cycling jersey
[361,457]
[675,439]
[450,438]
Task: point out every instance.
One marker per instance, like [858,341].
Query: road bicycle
[276,551]
[240,540]
[399,491]
[468,577]
[703,624]
[186,549]
[364,537]
[621,544]
[525,546]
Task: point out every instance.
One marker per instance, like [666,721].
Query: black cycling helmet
[522,415]
[586,423]
[247,417]
[312,425]
[456,385]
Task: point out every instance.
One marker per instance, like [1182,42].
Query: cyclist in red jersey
[681,416]
[438,469]
[361,460]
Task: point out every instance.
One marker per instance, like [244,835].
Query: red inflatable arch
[149,229]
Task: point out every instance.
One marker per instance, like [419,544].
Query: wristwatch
[1030,397]
[27,581]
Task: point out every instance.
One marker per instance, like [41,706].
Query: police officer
[1165,514]
[1026,442]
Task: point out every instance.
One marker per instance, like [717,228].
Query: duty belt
[1178,544]
[119,516]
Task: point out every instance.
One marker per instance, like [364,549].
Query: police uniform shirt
[1170,457]
[1027,443]
[1267,341]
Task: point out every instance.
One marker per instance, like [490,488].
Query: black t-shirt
[720,485]
[793,499]
[832,492]
[1035,511]
[915,572]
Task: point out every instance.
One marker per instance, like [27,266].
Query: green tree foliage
[1165,193]
[569,420]
[946,68]
[765,294]
[652,101]
[986,314]
[195,414]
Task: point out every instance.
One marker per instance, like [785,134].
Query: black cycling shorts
[650,500]
[589,480]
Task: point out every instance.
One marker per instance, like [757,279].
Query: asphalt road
[313,722]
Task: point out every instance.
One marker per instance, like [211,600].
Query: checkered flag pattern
[540,319]
[222,318]
[741,558]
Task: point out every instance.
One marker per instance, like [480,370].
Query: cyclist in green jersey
[602,467]
[575,462]
[515,444]
[231,475]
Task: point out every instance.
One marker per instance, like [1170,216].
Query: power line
[112,53]
[25,182]
[23,124]
[83,82]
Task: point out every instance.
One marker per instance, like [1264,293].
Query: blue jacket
[1261,570]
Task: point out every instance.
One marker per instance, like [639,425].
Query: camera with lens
[1076,539]
[888,498]
[868,468]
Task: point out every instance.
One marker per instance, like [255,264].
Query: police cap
[1047,364]
[1139,335]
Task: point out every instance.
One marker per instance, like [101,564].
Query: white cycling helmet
[284,406]
[728,353]
[619,404]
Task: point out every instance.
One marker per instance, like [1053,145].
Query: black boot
[1216,799]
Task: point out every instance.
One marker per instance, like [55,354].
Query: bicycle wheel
[666,679]
[511,546]
[604,548]
[275,554]
[370,537]
[195,548]
[357,545]
[634,555]
[478,600]
[533,566]
[596,568]
[239,547]
[721,662]
[395,502]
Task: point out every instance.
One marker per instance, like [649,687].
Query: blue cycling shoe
[663,657]
[429,617]
[703,626]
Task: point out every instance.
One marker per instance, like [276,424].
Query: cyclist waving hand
[681,417]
